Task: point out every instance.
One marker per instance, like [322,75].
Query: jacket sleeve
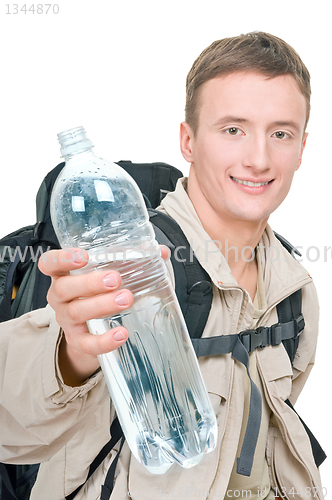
[305,355]
[39,414]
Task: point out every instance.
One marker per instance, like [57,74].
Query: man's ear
[305,137]
[186,139]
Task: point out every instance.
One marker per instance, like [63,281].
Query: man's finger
[60,262]
[102,344]
[67,288]
[79,311]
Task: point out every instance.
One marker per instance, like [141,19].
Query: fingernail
[110,280]
[118,336]
[122,299]
[77,256]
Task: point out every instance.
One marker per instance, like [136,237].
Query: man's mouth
[251,184]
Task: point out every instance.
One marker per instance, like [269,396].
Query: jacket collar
[281,272]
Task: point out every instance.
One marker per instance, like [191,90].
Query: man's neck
[237,242]
[236,239]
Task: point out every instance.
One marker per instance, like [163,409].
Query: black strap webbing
[8,482]
[107,488]
[251,339]
[246,458]
[317,451]
[291,308]
[116,434]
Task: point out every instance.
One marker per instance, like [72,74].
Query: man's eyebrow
[230,119]
[286,123]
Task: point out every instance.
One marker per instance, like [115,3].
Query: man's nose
[257,153]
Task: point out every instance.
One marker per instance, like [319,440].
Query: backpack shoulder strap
[290,309]
[290,314]
[192,284]
[285,243]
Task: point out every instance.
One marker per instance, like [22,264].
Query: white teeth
[248,183]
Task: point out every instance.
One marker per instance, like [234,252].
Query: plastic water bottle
[154,378]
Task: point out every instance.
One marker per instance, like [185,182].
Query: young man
[248,103]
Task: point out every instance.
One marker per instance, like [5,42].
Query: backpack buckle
[252,339]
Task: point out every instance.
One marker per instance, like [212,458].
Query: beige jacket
[42,420]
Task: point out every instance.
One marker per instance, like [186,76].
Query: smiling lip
[251,183]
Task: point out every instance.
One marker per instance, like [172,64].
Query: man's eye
[280,135]
[233,131]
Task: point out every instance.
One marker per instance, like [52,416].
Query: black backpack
[19,253]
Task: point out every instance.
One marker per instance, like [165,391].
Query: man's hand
[102,297]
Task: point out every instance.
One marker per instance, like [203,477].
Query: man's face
[247,147]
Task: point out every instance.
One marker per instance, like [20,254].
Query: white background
[118,68]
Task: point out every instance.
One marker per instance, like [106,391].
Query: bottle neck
[79,155]
[74,141]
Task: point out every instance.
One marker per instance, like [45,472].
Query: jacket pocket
[289,478]
[217,394]
[277,370]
